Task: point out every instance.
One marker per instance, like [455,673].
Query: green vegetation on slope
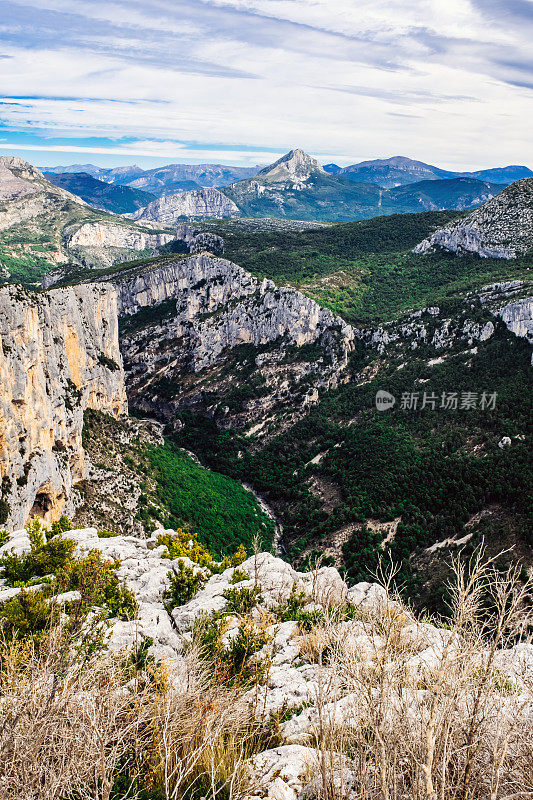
[434,469]
[365,271]
[172,489]
[224,513]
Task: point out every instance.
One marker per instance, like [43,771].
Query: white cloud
[344,80]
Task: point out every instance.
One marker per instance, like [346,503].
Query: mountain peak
[294,164]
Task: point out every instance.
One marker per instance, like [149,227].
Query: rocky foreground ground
[326,656]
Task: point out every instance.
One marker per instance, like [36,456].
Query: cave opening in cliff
[43,505]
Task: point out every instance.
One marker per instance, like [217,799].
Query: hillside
[501,228]
[172,208]
[43,226]
[401,171]
[100,194]
[436,195]
[365,271]
[297,187]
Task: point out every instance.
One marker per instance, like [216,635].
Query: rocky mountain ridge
[171,208]
[296,186]
[206,310]
[59,355]
[42,225]
[501,228]
[175,177]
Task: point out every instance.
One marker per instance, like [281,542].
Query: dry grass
[450,728]
[68,734]
[389,724]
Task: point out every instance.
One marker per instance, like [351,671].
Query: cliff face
[100,244]
[502,228]
[197,203]
[188,317]
[59,355]
[43,225]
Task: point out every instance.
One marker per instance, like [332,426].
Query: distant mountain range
[109,197]
[163,180]
[400,171]
[385,172]
[296,186]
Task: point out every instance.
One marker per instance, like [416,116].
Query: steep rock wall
[196,314]
[59,355]
[219,305]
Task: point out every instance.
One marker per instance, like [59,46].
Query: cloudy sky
[243,81]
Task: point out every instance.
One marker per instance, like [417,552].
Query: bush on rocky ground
[266,683]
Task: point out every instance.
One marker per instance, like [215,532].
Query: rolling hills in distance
[296,186]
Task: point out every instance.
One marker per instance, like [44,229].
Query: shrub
[185,545]
[27,614]
[239,556]
[241,601]
[104,534]
[5,508]
[183,586]
[238,576]
[238,657]
[293,610]
[44,558]
[4,537]
[62,525]
[94,577]
[233,663]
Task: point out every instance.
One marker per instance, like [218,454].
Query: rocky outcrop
[501,228]
[199,241]
[59,355]
[15,178]
[204,308]
[219,305]
[518,316]
[512,302]
[168,210]
[100,243]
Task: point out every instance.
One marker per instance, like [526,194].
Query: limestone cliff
[59,355]
[43,225]
[199,313]
[501,228]
[102,243]
[168,210]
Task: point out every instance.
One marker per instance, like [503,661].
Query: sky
[449,82]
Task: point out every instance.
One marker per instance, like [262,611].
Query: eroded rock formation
[59,355]
[501,228]
[168,210]
[203,310]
